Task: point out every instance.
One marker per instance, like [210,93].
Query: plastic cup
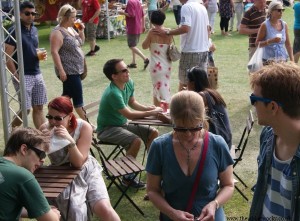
[41,53]
[164,105]
[279,35]
[78,24]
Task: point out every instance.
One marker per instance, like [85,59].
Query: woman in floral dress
[160,65]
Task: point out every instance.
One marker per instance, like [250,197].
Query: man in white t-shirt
[193,31]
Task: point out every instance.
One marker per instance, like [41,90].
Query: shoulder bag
[173,53]
[216,119]
[198,175]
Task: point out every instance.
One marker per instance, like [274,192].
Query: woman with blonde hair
[185,166]
[273,35]
[68,56]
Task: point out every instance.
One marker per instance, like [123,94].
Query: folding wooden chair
[237,152]
[91,110]
[116,168]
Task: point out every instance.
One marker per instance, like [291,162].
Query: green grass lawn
[231,58]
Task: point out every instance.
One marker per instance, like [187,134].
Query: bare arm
[288,45]
[52,215]
[261,36]
[155,195]
[139,111]
[56,41]
[146,43]
[97,13]
[224,194]
[9,49]
[244,30]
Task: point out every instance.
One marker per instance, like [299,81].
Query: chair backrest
[91,109]
[239,150]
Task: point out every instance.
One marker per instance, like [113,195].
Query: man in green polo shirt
[23,154]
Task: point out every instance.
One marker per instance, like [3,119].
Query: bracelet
[71,145]
[217,204]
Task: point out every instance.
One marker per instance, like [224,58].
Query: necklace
[188,150]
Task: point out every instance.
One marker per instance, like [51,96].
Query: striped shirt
[277,203]
[253,18]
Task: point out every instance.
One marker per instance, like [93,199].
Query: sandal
[146,197]
[132,66]
[146,63]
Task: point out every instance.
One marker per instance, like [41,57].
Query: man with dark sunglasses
[276,98]
[35,88]
[23,154]
[114,112]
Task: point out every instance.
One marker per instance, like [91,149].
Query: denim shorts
[72,88]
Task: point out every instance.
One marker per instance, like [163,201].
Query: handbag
[173,53]
[256,61]
[212,75]
[84,74]
[216,120]
[198,175]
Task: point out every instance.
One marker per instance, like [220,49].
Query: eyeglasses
[30,13]
[254,98]
[41,154]
[191,130]
[57,118]
[125,70]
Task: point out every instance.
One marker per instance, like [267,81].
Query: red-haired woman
[70,144]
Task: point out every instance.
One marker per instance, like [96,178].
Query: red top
[89,7]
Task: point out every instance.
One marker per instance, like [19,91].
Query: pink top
[134,20]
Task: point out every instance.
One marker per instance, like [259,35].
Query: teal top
[18,189]
[152,5]
[113,100]
[297,15]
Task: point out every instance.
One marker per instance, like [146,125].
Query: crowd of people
[194,155]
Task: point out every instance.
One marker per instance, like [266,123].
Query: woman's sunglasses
[41,154]
[191,130]
[57,118]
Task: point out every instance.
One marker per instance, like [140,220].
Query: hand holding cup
[41,54]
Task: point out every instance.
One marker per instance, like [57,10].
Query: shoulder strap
[199,172]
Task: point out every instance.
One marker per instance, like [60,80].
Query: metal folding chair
[237,152]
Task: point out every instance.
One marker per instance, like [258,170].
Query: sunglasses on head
[254,98]
[30,13]
[184,130]
[125,70]
[57,118]
[41,154]
[279,10]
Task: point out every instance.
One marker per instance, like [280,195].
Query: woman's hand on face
[61,131]
[182,216]
[208,212]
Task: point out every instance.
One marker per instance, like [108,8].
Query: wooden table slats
[54,179]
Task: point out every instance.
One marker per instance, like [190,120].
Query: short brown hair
[280,82]
[29,136]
